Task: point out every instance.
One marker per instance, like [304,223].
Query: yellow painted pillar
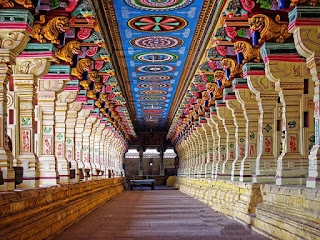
[306,39]
[267,100]
[31,65]
[251,113]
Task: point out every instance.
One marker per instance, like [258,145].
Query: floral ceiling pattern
[156,36]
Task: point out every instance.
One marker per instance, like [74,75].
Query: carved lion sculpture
[67,52]
[83,65]
[268,28]
[10,4]
[220,75]
[235,69]
[92,77]
[51,30]
[92,94]
[249,52]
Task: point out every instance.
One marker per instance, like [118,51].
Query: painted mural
[156,36]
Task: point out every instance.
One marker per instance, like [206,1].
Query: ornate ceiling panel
[156,37]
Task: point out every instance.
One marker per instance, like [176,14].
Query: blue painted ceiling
[156,37]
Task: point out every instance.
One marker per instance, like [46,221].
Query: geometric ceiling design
[156,36]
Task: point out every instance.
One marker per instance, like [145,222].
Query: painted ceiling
[156,36]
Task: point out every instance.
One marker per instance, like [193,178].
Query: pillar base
[8,178]
[30,179]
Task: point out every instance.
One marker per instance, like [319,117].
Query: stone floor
[158,214]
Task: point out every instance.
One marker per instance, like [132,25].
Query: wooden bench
[147,182]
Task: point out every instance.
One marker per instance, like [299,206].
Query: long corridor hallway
[158,214]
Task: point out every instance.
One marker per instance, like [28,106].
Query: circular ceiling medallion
[152,103]
[153,92]
[152,111]
[158,5]
[157,23]
[156,57]
[155,68]
[154,85]
[153,107]
[156,42]
[154,78]
[153,98]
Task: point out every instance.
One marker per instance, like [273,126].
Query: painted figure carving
[235,69]
[68,51]
[219,76]
[10,4]
[249,52]
[51,30]
[298,2]
[83,66]
[268,28]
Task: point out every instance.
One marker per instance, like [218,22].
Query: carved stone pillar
[67,170]
[251,112]
[48,86]
[225,116]
[241,135]
[81,121]
[31,64]
[221,143]
[208,132]
[287,73]
[86,140]
[266,97]
[95,145]
[72,113]
[14,36]
[306,39]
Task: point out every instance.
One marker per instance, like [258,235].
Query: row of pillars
[44,128]
[263,129]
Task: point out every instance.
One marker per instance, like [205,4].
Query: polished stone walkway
[158,214]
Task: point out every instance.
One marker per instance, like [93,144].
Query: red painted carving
[98,64]
[212,64]
[247,5]
[222,50]
[251,150]
[26,140]
[267,145]
[204,77]
[84,33]
[293,143]
[72,5]
[242,151]
[231,32]
[92,51]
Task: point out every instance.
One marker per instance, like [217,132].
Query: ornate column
[267,100]
[208,133]
[225,115]
[48,86]
[31,64]
[88,130]
[94,149]
[67,166]
[14,34]
[241,135]
[81,121]
[305,28]
[287,72]
[220,146]
[72,114]
[251,112]
[103,152]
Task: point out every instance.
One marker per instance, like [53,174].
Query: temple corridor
[155,215]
